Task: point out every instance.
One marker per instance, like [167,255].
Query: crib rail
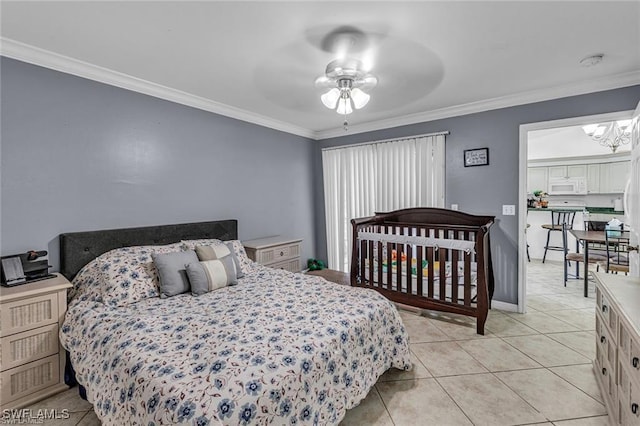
[414,260]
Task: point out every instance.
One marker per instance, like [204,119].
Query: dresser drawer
[287,265]
[632,360]
[25,314]
[629,400]
[605,343]
[28,346]
[606,375]
[609,314]
[28,378]
[278,253]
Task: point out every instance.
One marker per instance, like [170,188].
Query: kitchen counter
[591,210]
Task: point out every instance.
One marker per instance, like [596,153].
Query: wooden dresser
[32,359]
[275,252]
[617,363]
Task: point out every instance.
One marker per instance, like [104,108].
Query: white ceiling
[257,61]
[564,142]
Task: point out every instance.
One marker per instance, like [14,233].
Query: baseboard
[504,306]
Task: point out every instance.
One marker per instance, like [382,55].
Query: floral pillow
[129,274]
[246,265]
[191,244]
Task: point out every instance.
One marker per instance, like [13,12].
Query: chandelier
[347,82]
[611,134]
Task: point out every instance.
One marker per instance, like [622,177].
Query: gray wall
[79,155]
[483,190]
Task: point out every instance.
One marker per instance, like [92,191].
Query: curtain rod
[444,132]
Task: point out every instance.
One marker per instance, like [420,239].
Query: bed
[277,348]
[427,258]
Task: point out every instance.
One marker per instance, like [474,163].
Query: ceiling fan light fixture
[360,99]
[330,99]
[347,81]
[344,106]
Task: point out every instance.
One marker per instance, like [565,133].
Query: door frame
[522,192]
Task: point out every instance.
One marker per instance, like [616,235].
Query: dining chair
[558,219]
[595,225]
[595,247]
[578,257]
[617,244]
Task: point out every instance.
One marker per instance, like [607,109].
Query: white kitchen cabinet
[614,176]
[575,170]
[593,178]
[536,179]
[555,172]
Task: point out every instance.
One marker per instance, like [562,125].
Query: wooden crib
[427,258]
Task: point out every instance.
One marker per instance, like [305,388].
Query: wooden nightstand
[275,252]
[32,362]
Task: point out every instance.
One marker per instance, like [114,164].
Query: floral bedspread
[278,348]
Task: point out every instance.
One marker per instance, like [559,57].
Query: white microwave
[568,186]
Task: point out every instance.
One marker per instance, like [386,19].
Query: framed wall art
[476,157]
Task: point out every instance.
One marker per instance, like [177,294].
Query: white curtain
[360,180]
[349,182]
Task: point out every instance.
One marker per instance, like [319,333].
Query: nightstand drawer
[288,265]
[29,313]
[278,253]
[275,252]
[29,378]
[29,346]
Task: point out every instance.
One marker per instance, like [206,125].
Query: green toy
[315,265]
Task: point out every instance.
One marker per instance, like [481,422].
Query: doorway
[527,132]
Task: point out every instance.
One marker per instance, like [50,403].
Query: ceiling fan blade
[367,83]
[323,82]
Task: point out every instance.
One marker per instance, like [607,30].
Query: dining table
[586,237]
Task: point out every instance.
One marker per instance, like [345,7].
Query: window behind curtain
[363,179]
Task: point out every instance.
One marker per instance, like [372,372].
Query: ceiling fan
[348,83]
[346,80]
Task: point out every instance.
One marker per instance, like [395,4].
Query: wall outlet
[509,210]
[454,207]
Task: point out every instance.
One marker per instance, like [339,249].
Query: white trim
[503,306]
[37,56]
[522,188]
[34,55]
[580,88]
[425,135]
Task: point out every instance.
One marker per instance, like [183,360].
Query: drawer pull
[281,253]
[604,308]
[604,371]
[603,339]
[634,408]
[635,362]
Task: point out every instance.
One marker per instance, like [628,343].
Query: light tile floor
[528,369]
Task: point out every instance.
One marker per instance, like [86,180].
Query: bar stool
[558,218]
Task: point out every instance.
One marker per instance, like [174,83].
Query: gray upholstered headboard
[79,248]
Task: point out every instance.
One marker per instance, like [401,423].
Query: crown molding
[41,57]
[580,88]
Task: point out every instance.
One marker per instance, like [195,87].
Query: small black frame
[476,157]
